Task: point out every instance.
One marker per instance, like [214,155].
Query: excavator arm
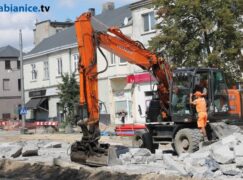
[116,42]
[133,52]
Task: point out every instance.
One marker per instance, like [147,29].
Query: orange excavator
[168,118]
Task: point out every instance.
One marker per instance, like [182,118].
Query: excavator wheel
[148,142]
[187,140]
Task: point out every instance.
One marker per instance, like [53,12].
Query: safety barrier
[13,125]
[46,123]
[128,129]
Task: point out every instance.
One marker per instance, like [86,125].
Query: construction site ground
[17,169]
[169,166]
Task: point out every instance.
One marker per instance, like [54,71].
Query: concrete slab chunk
[230,169]
[173,165]
[30,153]
[239,150]
[126,158]
[53,145]
[229,139]
[200,155]
[201,172]
[158,154]
[239,137]
[139,160]
[183,156]
[17,152]
[7,151]
[239,162]
[223,154]
[139,152]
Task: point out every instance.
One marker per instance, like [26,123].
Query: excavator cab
[210,82]
[186,81]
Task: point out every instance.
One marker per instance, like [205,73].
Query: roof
[56,23]
[110,18]
[8,52]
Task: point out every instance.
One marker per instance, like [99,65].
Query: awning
[35,103]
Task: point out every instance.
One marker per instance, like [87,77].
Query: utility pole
[22,130]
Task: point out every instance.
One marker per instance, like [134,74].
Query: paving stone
[230,169]
[139,152]
[174,165]
[223,154]
[53,145]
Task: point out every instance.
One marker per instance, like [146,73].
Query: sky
[60,10]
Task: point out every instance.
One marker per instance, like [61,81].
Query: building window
[76,61]
[46,70]
[59,66]
[6,116]
[122,61]
[6,84]
[149,21]
[18,64]
[33,72]
[7,64]
[19,84]
[112,59]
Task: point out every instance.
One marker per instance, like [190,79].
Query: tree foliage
[201,33]
[69,96]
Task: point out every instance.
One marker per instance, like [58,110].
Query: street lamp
[22,129]
[23,109]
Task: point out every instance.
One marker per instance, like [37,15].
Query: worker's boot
[205,139]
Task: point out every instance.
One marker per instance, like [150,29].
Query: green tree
[201,33]
[69,96]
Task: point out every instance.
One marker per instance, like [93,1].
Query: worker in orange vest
[201,107]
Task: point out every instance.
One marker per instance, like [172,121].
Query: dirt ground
[10,170]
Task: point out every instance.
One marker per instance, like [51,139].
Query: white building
[58,54]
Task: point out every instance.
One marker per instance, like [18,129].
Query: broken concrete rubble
[239,150]
[220,160]
[174,165]
[230,169]
[139,152]
[53,145]
[222,154]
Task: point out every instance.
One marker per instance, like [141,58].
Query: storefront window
[123,106]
